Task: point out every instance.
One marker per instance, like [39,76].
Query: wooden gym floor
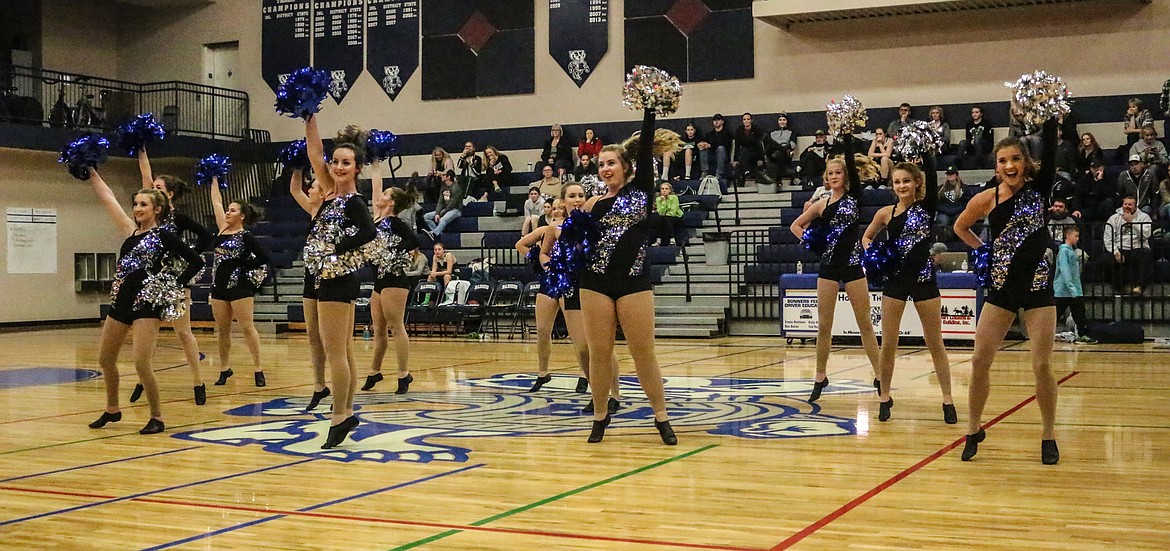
[469,460]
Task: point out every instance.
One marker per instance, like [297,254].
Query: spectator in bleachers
[546,210]
[441,162]
[880,150]
[1027,132]
[685,155]
[533,208]
[442,265]
[590,146]
[1164,195]
[548,184]
[418,268]
[1164,99]
[1066,155]
[717,141]
[749,150]
[779,146]
[447,210]
[1088,151]
[812,161]
[977,145]
[936,256]
[1136,119]
[670,214]
[498,169]
[903,119]
[556,153]
[1059,217]
[1067,285]
[1065,190]
[410,214]
[952,199]
[469,168]
[586,167]
[1151,150]
[1127,238]
[938,123]
[1097,194]
[1138,182]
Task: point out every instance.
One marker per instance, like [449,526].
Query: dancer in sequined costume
[546,306]
[394,246]
[194,234]
[310,198]
[333,255]
[1019,278]
[142,294]
[615,286]
[840,261]
[238,269]
[908,224]
[573,197]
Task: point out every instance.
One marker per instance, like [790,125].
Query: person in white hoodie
[1127,238]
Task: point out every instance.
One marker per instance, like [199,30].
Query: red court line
[824,521]
[375,520]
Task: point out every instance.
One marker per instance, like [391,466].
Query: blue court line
[3,480]
[152,492]
[312,508]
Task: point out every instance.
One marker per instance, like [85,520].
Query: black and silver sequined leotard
[1019,236]
[910,232]
[843,247]
[143,256]
[239,259]
[336,235]
[623,220]
[389,252]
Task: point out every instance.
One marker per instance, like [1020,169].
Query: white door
[220,63]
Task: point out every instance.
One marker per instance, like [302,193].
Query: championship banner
[284,34]
[578,35]
[799,315]
[392,35]
[338,44]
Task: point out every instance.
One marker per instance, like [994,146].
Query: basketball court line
[131,433]
[841,511]
[309,508]
[152,492]
[91,465]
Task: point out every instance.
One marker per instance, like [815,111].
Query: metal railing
[1134,288]
[66,100]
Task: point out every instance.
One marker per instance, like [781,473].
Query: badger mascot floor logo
[409,427]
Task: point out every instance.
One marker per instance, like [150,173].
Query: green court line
[101,438]
[560,496]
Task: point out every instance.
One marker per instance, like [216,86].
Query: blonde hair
[866,168]
[157,199]
[666,142]
[916,175]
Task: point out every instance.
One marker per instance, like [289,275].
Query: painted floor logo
[407,427]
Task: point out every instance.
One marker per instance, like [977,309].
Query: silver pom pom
[1040,96]
[593,185]
[651,88]
[257,276]
[844,117]
[162,290]
[384,254]
[916,139]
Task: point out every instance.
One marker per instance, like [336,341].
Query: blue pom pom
[139,131]
[301,95]
[532,258]
[213,166]
[882,260]
[87,151]
[578,234]
[981,264]
[816,237]
[295,155]
[380,145]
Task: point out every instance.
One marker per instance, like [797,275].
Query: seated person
[546,211]
[1127,238]
[779,145]
[813,161]
[1066,155]
[938,123]
[670,216]
[1136,119]
[533,208]
[976,148]
[749,150]
[1096,193]
[590,146]
[936,254]
[556,153]
[903,119]
[442,265]
[1152,151]
[498,170]
[469,167]
[952,200]
[1164,195]
[548,184]
[1138,182]
[585,168]
[419,267]
[1058,218]
[447,210]
[717,142]
[684,156]
[880,151]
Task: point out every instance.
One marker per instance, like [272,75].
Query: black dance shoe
[877,383]
[598,431]
[817,388]
[137,393]
[201,395]
[949,414]
[316,399]
[372,380]
[540,381]
[588,407]
[1049,454]
[613,406]
[260,382]
[884,410]
[338,432]
[106,417]
[972,446]
[404,384]
[154,426]
[582,385]
[666,432]
[223,377]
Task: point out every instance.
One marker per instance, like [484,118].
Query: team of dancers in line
[613,288]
